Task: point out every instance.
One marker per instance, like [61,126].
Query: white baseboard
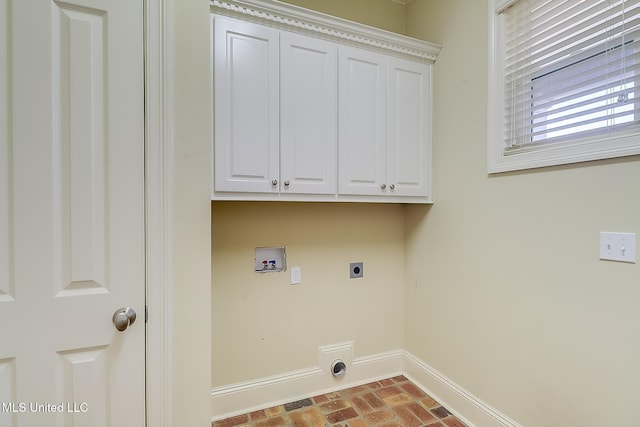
[466,406]
[236,399]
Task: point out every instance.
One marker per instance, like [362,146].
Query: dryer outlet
[328,354]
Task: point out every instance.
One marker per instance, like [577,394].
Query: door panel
[85,372]
[408,118]
[6,282]
[362,117]
[309,121]
[71,212]
[246,84]
[7,391]
[79,53]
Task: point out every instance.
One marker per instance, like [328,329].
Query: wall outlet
[618,246]
[296,275]
[356,269]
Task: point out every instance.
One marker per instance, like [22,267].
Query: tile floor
[393,402]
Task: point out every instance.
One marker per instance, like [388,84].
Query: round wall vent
[338,368]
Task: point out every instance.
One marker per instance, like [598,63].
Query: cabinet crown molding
[297,19]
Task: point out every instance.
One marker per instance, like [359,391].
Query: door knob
[123,317]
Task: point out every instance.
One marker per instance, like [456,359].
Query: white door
[71,212]
[408,123]
[362,122]
[308,115]
[246,87]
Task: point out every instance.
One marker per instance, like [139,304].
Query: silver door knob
[287,183]
[123,318]
[274,182]
[392,186]
[383,186]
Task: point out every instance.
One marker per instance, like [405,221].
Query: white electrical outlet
[618,246]
[295,275]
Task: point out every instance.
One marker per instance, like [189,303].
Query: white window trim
[596,148]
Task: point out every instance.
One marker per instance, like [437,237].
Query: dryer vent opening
[338,368]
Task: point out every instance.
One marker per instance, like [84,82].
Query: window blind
[571,72]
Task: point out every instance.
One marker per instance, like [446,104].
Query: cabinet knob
[274,182]
[392,186]
[383,186]
[286,183]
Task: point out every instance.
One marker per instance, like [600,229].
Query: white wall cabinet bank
[384,116]
[312,108]
[275,103]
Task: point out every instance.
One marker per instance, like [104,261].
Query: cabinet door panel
[246,108]
[308,132]
[362,117]
[408,138]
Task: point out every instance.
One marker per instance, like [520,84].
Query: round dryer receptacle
[338,368]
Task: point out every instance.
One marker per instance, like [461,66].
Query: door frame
[158,212]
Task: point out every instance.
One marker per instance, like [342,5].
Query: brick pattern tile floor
[393,402]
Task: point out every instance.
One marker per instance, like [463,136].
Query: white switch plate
[295,275]
[618,246]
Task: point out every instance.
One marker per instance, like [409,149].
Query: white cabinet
[246,108]
[384,125]
[408,128]
[275,111]
[362,116]
[308,115]
[311,108]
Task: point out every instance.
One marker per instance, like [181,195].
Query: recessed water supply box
[271,259]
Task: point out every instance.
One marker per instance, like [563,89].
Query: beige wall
[263,325]
[504,291]
[384,14]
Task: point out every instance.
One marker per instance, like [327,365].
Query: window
[564,83]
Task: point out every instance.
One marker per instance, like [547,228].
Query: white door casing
[71,212]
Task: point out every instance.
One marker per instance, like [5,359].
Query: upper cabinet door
[308,108]
[362,116]
[246,91]
[408,128]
